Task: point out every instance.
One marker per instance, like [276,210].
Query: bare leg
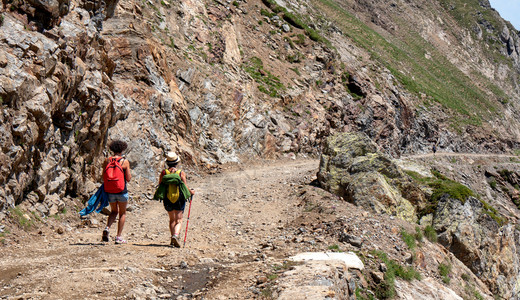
[175,222]
[113,214]
[122,217]
[178,222]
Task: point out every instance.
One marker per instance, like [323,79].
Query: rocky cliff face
[225,81]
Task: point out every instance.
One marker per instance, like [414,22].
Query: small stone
[351,239]
[377,276]
[207,260]
[261,279]
[409,258]
[183,265]
[60,230]
[383,267]
[286,28]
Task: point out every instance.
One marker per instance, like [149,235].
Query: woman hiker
[116,173]
[175,201]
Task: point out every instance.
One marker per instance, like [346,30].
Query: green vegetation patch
[20,218]
[409,239]
[430,233]
[442,185]
[386,289]
[418,234]
[294,20]
[267,82]
[334,248]
[444,271]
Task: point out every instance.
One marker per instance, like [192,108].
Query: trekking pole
[187,222]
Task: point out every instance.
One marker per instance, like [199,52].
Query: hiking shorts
[178,205]
[117,197]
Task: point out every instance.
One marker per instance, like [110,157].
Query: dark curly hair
[171,164]
[118,146]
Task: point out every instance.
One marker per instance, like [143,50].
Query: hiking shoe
[175,242]
[104,238]
[119,240]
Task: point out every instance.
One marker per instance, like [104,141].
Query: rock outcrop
[352,167]
[489,250]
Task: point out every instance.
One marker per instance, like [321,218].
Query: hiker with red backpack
[116,173]
[174,192]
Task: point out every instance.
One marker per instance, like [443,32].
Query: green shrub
[418,234]
[386,289]
[443,186]
[362,295]
[492,212]
[444,271]
[294,58]
[493,183]
[409,239]
[430,233]
[477,295]
[313,35]
[295,70]
[293,20]
[334,248]
[279,9]
[266,13]
[18,216]
[272,277]
[300,40]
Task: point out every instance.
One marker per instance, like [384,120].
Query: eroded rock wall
[57,104]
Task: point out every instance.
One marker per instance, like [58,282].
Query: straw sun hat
[172,157]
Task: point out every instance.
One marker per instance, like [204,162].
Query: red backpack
[114,176]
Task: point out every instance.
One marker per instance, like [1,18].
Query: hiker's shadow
[153,245]
[104,244]
[88,244]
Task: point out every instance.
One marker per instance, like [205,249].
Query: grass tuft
[444,271]
[430,234]
[386,289]
[409,239]
[267,82]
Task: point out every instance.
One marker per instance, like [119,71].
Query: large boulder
[352,167]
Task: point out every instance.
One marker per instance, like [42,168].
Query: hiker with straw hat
[177,193]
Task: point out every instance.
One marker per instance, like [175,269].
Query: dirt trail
[457,154]
[233,214]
